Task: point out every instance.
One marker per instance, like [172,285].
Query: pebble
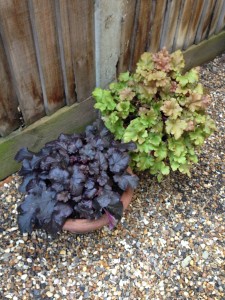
[169,245]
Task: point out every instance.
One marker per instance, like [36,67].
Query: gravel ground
[169,245]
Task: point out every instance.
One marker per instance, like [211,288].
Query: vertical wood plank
[17,38]
[81,26]
[9,116]
[216,14]
[141,29]
[127,25]
[193,25]
[221,22]
[62,16]
[47,50]
[205,21]
[170,24]
[157,25]
[183,25]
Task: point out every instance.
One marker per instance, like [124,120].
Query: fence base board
[205,51]
[66,120]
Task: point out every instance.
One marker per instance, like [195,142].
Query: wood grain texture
[17,38]
[62,15]
[205,21]
[221,21]
[48,50]
[144,19]
[215,18]
[182,26]
[170,24]
[127,26]
[81,27]
[9,116]
[194,22]
[66,120]
[205,51]
[157,25]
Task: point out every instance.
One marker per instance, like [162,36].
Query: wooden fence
[54,52]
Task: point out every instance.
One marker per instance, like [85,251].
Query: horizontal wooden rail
[66,120]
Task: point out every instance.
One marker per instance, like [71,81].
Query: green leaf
[135,131]
[145,62]
[114,124]
[178,147]
[124,77]
[161,151]
[180,159]
[175,127]
[104,100]
[210,126]
[174,165]
[185,169]
[189,77]
[143,160]
[193,158]
[159,166]
[146,146]
[197,136]
[149,118]
[115,87]
[177,60]
[155,138]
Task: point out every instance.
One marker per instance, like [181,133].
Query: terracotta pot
[84,225]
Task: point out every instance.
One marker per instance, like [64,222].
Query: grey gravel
[169,245]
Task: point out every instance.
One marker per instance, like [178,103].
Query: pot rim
[80,226]
[85,225]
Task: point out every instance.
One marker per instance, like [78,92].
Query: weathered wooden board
[206,16]
[170,24]
[62,17]
[182,26]
[108,17]
[67,120]
[17,38]
[194,22]
[127,26]
[221,21]
[205,51]
[215,17]
[47,49]
[9,117]
[141,29]
[156,25]
[81,27]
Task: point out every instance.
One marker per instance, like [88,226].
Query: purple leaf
[118,161]
[63,196]
[112,220]
[100,157]
[126,180]
[103,178]
[59,175]
[22,154]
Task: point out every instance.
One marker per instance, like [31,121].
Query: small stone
[205,254]
[49,294]
[186,261]
[24,277]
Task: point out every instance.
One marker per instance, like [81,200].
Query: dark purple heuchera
[76,176]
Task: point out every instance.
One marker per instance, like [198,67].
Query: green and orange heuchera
[161,109]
